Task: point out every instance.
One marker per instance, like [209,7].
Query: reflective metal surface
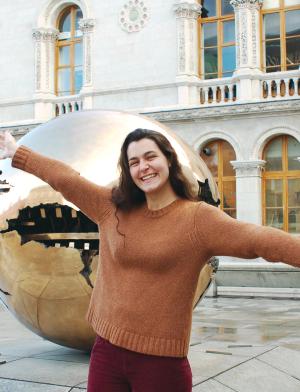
[48,250]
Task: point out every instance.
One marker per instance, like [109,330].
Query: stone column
[187,13]
[45,39]
[249,190]
[247,31]
[87,28]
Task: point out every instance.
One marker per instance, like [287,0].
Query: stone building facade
[223,74]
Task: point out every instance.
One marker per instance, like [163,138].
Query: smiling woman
[155,240]
[150,171]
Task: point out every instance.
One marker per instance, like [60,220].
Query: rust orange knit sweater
[146,279]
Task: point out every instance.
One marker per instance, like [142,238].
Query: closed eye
[151,157]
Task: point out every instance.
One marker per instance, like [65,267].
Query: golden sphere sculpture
[49,249]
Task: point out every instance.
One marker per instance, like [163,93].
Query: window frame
[71,43]
[282,26]
[219,19]
[221,179]
[283,175]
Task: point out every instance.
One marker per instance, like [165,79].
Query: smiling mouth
[148,176]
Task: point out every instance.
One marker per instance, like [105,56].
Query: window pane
[228,58]
[211,76]
[294,192]
[292,25]
[228,155]
[78,79]
[209,34]
[272,25]
[228,31]
[293,154]
[289,3]
[293,67]
[64,55]
[273,53]
[294,205]
[78,17]
[209,154]
[208,8]
[294,220]
[226,7]
[78,54]
[227,74]
[211,60]
[273,155]
[65,22]
[273,69]
[274,217]
[293,51]
[230,211]
[64,81]
[64,36]
[229,194]
[267,4]
[274,195]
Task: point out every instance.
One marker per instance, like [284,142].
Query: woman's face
[148,166]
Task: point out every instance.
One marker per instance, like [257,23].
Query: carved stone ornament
[185,9]
[271,108]
[246,3]
[134,16]
[87,25]
[248,168]
[45,34]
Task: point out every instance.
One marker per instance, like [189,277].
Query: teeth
[148,176]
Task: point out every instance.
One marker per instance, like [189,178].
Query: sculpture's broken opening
[55,225]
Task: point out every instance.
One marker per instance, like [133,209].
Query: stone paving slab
[46,371]
[20,347]
[285,359]
[270,326]
[258,376]
[20,386]
[211,386]
[208,365]
[241,349]
[65,355]
[83,385]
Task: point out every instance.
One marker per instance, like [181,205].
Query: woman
[154,241]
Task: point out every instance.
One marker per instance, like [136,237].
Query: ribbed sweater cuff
[20,158]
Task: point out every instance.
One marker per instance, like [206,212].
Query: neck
[161,198]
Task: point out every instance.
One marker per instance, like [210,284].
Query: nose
[144,165]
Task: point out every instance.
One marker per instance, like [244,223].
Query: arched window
[69,55]
[217,156]
[217,39]
[281,35]
[281,184]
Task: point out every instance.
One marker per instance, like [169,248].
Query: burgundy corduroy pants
[115,369]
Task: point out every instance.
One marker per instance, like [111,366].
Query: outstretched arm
[91,199]
[225,236]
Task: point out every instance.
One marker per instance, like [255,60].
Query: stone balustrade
[65,105]
[280,85]
[217,91]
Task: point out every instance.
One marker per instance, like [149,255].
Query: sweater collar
[161,211]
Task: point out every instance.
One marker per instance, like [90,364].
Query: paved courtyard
[237,344]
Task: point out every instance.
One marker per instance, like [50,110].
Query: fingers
[7,145]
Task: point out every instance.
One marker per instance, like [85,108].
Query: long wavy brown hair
[127,195]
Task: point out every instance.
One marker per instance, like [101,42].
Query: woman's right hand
[8,145]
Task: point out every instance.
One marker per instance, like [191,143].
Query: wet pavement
[237,344]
